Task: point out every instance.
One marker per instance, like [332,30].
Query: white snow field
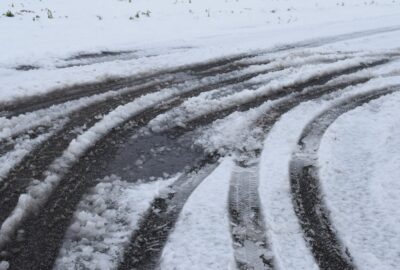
[128,129]
[173,33]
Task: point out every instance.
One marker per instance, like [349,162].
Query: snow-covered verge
[359,161]
[155,34]
[201,238]
[104,221]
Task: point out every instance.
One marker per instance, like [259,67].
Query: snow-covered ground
[155,34]
[300,59]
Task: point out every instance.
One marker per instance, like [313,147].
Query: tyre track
[148,241]
[83,90]
[164,77]
[135,248]
[75,188]
[202,121]
[307,198]
[56,96]
[318,82]
[35,164]
[106,105]
[252,250]
[8,144]
[243,194]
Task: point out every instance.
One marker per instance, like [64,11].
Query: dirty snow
[104,221]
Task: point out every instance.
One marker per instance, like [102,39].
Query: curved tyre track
[252,250]
[227,64]
[307,198]
[83,90]
[35,164]
[73,188]
[148,241]
[244,195]
[52,222]
[40,236]
[135,248]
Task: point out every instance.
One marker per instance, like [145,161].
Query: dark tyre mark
[252,251]
[101,54]
[311,87]
[308,202]
[117,83]
[26,67]
[58,210]
[247,225]
[37,247]
[35,164]
[148,241]
[65,94]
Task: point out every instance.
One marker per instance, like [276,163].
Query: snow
[359,160]
[104,221]
[175,33]
[201,238]
[4,265]
[297,40]
[235,132]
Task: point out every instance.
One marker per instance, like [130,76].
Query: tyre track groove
[148,241]
[252,250]
[307,197]
[87,89]
[244,194]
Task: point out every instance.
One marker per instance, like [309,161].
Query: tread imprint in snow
[308,202]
